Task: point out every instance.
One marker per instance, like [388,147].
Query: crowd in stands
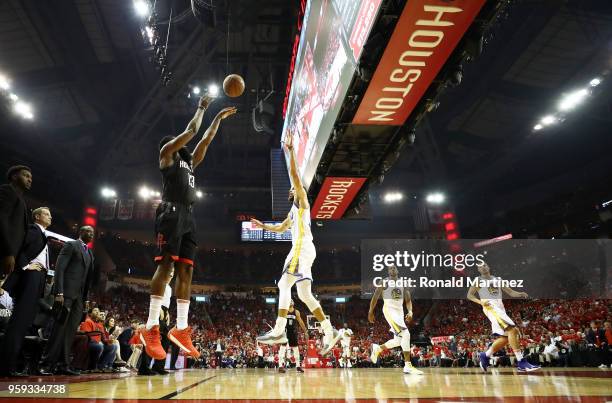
[225,327]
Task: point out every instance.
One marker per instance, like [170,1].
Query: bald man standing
[73,275]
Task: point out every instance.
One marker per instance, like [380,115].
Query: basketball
[233,85]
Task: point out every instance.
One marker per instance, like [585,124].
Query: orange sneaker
[152,342]
[182,338]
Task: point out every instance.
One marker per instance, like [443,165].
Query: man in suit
[26,285]
[73,274]
[13,215]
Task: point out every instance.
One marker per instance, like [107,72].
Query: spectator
[102,351]
[114,332]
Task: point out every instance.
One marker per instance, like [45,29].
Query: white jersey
[346,337]
[493,293]
[301,236]
[303,252]
[393,298]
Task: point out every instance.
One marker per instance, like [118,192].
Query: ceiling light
[4,83]
[13,97]
[199,194]
[435,198]
[144,192]
[213,90]
[595,82]
[393,197]
[196,90]
[548,120]
[108,193]
[23,109]
[571,100]
[538,127]
[141,7]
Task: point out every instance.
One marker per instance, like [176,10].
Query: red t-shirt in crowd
[90,326]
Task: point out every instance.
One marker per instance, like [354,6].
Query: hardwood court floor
[325,385]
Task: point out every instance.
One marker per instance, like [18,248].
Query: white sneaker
[330,340]
[269,338]
[409,369]
[603,366]
[375,353]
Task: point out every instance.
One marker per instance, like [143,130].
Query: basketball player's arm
[408,302]
[301,323]
[294,174]
[165,154]
[514,294]
[280,228]
[373,303]
[209,135]
[471,295]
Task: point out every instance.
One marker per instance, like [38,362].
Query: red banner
[441,339]
[425,35]
[334,198]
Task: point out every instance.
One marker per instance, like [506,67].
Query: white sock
[282,353]
[182,313]
[326,326]
[489,352]
[296,354]
[279,326]
[154,310]
[518,355]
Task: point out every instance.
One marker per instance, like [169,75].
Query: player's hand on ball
[205,101]
[371,317]
[226,112]
[256,223]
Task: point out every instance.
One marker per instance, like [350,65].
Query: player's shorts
[292,339]
[395,318]
[500,321]
[299,262]
[175,232]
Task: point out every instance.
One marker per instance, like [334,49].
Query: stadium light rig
[568,102]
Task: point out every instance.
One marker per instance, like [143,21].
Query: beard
[291,198]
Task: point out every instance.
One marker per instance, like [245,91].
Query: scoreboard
[249,233]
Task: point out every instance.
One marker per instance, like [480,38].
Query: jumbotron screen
[331,41]
[249,233]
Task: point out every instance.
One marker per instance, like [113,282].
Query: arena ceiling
[100,107]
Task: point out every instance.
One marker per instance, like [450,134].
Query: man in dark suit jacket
[26,285]
[13,215]
[73,275]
